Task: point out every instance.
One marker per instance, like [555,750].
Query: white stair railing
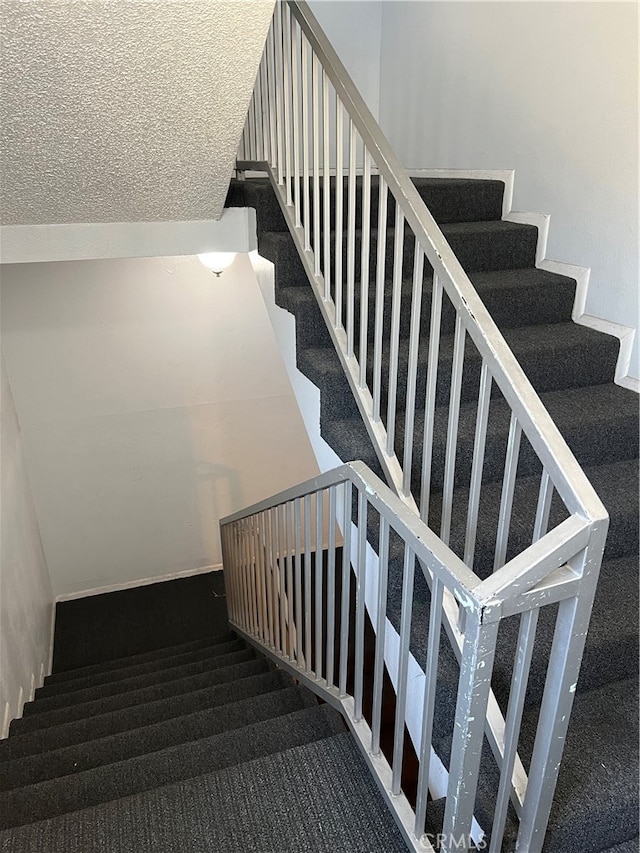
[309,128]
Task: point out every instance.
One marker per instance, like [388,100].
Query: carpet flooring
[197,744]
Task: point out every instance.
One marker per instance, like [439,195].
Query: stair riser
[105,725]
[586,362]
[103,691]
[536,305]
[82,683]
[576,435]
[135,698]
[448,201]
[622,539]
[189,728]
[60,796]
[491,249]
[71,675]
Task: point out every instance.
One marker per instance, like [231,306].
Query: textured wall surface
[26,599]
[123,110]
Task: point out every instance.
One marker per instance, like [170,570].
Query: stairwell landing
[160,731]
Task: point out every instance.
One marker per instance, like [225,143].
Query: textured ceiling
[123,110]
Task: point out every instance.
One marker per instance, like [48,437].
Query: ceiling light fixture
[217,262]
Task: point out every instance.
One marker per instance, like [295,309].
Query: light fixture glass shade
[217,261]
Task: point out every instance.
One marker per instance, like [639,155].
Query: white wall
[26,598]
[549,89]
[354,30]
[124,111]
[153,401]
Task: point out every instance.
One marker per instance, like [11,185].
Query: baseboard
[49,664]
[581,275]
[6,721]
[116,587]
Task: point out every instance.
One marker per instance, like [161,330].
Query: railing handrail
[515,577]
[566,474]
[264,543]
[428,547]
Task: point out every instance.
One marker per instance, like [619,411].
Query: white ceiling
[123,110]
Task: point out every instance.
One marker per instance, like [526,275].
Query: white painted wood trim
[49,664]
[626,334]
[581,275]
[185,573]
[6,721]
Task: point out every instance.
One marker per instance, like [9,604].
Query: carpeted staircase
[200,745]
[572,368]
[160,731]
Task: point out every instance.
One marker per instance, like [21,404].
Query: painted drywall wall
[354,30]
[124,112]
[26,597]
[153,401]
[548,89]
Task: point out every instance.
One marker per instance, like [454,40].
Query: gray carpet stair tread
[479,246]
[135,698]
[111,676]
[137,682]
[448,199]
[113,781]
[135,717]
[589,359]
[87,755]
[159,654]
[314,798]
[599,423]
[631,846]
[612,640]
[599,772]
[520,297]
[616,484]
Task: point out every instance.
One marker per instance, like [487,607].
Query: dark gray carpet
[135,698]
[166,662]
[315,798]
[631,846]
[137,716]
[171,722]
[183,761]
[87,755]
[118,624]
[137,682]
[160,731]
[157,655]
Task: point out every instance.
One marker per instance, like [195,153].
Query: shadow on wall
[154,401]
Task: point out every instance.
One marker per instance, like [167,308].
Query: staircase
[572,368]
[199,745]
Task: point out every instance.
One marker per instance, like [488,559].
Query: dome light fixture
[217,262]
